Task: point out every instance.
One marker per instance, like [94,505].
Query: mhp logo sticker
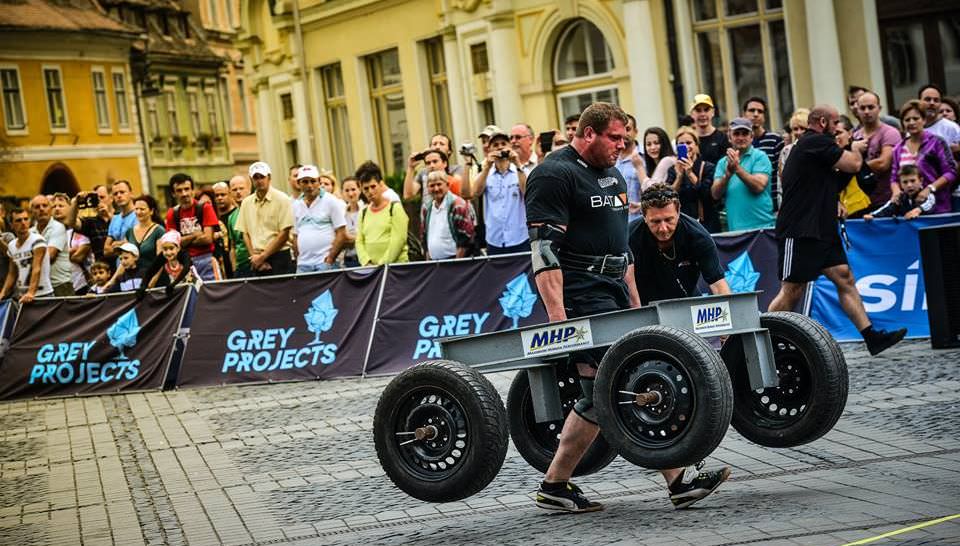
[711,317]
[557,339]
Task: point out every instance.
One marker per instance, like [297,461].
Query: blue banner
[885,259]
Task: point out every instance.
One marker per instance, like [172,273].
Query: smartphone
[681,151]
[546,142]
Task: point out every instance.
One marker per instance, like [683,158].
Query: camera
[468,149]
[420,157]
[504,154]
[89,200]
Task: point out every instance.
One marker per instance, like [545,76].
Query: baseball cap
[490,130]
[170,237]
[260,168]
[498,132]
[131,248]
[308,171]
[701,99]
[741,123]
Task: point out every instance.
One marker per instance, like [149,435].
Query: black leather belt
[611,265]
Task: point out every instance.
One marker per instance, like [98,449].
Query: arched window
[583,69]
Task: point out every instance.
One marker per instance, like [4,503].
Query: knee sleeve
[584,406]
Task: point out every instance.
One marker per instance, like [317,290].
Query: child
[100,276]
[906,203]
[172,266]
[126,278]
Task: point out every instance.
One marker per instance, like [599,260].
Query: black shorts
[587,294]
[803,260]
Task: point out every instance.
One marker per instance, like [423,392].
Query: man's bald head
[822,118]
[239,187]
[40,207]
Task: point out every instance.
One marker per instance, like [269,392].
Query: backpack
[413,247]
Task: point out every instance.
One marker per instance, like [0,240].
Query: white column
[302,120]
[266,128]
[687,51]
[455,89]
[826,68]
[642,63]
[502,47]
[872,43]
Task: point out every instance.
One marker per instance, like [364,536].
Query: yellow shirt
[263,219]
[382,235]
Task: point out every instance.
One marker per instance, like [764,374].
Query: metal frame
[505,350]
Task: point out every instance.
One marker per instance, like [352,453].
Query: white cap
[131,248]
[308,171]
[260,168]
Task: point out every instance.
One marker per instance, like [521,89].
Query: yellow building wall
[851,29]
[24,178]
[796,23]
[77,81]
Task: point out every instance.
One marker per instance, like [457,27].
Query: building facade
[341,82]
[69,115]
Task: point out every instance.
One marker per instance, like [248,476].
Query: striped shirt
[771,144]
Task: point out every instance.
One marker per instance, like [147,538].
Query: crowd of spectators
[725,172]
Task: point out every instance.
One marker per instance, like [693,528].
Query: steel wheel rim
[431,459]
[663,424]
[547,434]
[782,406]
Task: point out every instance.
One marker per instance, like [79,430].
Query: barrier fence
[377,321]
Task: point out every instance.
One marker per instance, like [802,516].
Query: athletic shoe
[566,499]
[694,485]
[882,340]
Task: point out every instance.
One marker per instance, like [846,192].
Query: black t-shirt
[694,254]
[714,147]
[591,202]
[811,189]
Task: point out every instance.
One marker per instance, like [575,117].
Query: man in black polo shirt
[576,205]
[807,232]
[673,250]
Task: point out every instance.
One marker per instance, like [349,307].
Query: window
[583,69]
[211,99]
[338,126]
[242,97]
[225,97]
[918,49]
[171,104]
[486,111]
[478,58]
[193,106]
[56,107]
[741,50]
[439,93]
[389,111]
[120,96]
[13,112]
[153,121]
[100,103]
[286,105]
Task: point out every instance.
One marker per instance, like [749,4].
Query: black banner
[423,302]
[281,329]
[750,263]
[91,345]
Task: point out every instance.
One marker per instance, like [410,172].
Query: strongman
[577,215]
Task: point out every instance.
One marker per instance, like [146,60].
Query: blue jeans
[315,268]
[207,267]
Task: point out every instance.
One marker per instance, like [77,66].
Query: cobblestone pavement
[294,463]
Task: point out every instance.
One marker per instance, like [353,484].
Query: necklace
[671,258]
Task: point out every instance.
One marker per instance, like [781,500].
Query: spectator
[382,229]
[123,217]
[222,242]
[65,211]
[938,170]
[146,233]
[292,180]
[692,179]
[881,139]
[414,184]
[266,218]
[521,140]
[908,205]
[713,143]
[329,184]
[854,92]
[58,250]
[351,196]
[446,221]
[318,224]
[755,109]
[631,166]
[559,141]
[853,199]
[502,183]
[100,276]
[60,209]
[434,160]
[95,211]
[949,109]
[658,156]
[931,97]
[195,221]
[172,267]
[742,180]
[126,278]
[797,126]
[570,126]
[239,255]
[29,272]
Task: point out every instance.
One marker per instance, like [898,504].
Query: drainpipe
[302,62]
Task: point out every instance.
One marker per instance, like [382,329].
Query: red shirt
[189,225]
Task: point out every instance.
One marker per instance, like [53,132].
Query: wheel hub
[654,402]
[431,433]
